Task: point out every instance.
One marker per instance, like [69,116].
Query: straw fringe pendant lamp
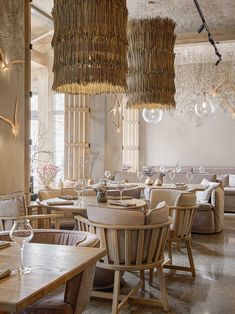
[151,64]
[90,46]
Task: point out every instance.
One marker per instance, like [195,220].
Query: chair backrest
[48,193]
[160,195]
[72,192]
[129,237]
[183,214]
[11,205]
[134,192]
[128,176]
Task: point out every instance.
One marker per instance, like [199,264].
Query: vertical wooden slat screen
[131,138]
[76,136]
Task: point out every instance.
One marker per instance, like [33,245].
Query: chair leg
[116,291]
[163,289]
[142,278]
[190,257]
[151,273]
[170,251]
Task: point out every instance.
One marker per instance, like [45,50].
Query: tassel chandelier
[90,46]
[151,57]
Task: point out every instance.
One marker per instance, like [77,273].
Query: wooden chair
[134,242]
[13,206]
[183,210]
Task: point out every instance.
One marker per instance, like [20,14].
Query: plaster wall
[11,83]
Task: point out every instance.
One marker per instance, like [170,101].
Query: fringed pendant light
[90,46]
[151,64]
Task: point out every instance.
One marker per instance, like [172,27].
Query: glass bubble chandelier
[153,116]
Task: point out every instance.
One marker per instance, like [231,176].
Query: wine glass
[21,233]
[189,176]
[172,175]
[162,169]
[79,187]
[140,175]
[121,186]
[201,169]
[107,174]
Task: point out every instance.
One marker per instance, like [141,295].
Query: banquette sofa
[209,217]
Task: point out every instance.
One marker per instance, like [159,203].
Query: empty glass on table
[79,187]
[172,175]
[21,233]
[189,176]
[121,186]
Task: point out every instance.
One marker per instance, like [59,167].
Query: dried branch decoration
[90,46]
[14,125]
[4,64]
[151,64]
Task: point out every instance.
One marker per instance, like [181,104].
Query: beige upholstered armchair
[134,242]
[13,206]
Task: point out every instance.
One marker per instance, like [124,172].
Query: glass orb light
[152,115]
[205,108]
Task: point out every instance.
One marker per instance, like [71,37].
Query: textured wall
[182,137]
[11,83]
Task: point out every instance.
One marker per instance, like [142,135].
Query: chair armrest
[44,217]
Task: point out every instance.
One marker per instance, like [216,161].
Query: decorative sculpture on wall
[14,124]
[116,110]
[4,64]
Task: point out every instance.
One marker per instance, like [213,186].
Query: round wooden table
[76,209]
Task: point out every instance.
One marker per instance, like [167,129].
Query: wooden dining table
[52,266]
[80,209]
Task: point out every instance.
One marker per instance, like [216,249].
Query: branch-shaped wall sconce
[13,124]
[4,64]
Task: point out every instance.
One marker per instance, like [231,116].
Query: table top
[52,265]
[91,200]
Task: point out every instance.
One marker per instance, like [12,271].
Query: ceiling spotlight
[200,29]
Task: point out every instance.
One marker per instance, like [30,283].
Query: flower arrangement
[101,187]
[47,174]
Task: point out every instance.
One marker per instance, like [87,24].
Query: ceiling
[219,15]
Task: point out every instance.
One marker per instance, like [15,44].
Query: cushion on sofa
[204,196]
[228,190]
[158,215]
[231,182]
[223,179]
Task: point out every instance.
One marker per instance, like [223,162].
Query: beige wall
[11,83]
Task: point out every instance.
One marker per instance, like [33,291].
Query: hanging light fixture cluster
[90,46]
[90,54]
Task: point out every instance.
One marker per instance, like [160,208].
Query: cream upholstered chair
[72,192]
[68,221]
[74,297]
[134,242]
[133,192]
[183,210]
[13,206]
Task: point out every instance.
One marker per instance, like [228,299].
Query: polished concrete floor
[213,289]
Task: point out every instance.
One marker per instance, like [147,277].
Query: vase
[101,197]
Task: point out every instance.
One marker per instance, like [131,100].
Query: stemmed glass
[172,176]
[21,233]
[79,187]
[121,186]
[189,176]
[107,174]
[140,175]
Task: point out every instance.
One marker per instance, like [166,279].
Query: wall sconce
[14,125]
[4,64]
